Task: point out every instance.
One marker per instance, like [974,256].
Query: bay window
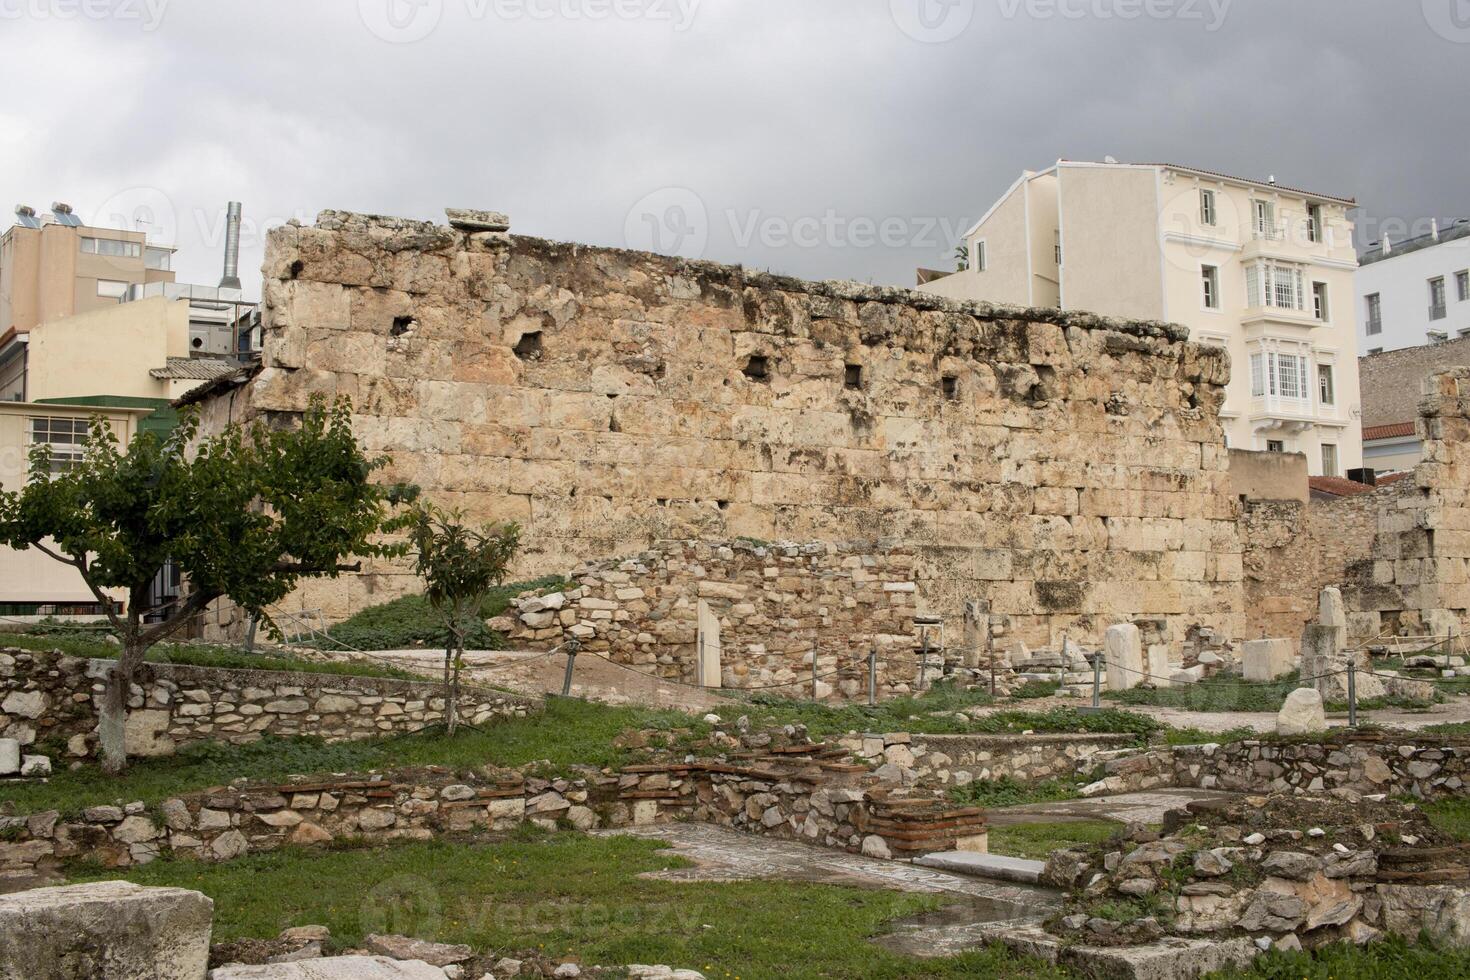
[1274,284]
[1278,375]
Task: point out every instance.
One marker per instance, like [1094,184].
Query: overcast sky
[823,138]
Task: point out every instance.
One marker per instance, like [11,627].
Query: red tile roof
[1336,486]
[1393,430]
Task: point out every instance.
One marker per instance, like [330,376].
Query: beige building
[1261,270]
[33,584]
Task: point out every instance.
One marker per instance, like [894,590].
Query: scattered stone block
[406,948]
[105,929]
[333,968]
[9,756]
[1159,671]
[1123,650]
[1302,714]
[1267,660]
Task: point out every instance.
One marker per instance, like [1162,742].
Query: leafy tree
[244,514]
[460,566]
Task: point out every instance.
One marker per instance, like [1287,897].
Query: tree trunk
[112,718]
[451,689]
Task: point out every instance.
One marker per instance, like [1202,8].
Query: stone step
[995,866]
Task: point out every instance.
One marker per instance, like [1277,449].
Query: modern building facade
[1262,270]
[32,584]
[1415,292]
[1392,386]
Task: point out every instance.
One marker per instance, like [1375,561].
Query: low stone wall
[53,697]
[957,760]
[774,604]
[779,786]
[1425,767]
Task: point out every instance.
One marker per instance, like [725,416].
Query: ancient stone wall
[774,604]
[958,760]
[1067,468]
[53,697]
[1425,767]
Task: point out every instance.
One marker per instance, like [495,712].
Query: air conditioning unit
[210,339]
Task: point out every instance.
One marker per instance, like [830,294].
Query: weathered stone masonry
[52,697]
[1068,469]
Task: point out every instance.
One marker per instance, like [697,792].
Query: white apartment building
[1415,292]
[1262,270]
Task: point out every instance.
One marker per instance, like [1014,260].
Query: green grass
[1391,959]
[1006,791]
[1212,694]
[1450,815]
[1452,728]
[92,646]
[569,732]
[1037,841]
[569,895]
[410,622]
[1032,690]
[1198,736]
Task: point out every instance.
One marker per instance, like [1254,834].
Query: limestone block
[26,704]
[1123,650]
[1266,660]
[1158,666]
[1331,612]
[1302,714]
[9,756]
[105,929]
[146,733]
[334,968]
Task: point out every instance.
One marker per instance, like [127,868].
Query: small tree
[244,515]
[460,565]
[961,257]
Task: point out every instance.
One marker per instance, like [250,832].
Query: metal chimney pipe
[231,278]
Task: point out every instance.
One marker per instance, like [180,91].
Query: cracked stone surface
[1147,807]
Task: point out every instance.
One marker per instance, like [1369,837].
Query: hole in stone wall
[722,504]
[296,268]
[402,325]
[757,368]
[852,376]
[529,346]
[950,385]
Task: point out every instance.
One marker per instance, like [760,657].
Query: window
[66,437]
[950,385]
[1314,222]
[1375,313]
[1206,207]
[158,258]
[1264,213]
[1272,284]
[1275,446]
[1329,459]
[978,263]
[1462,284]
[111,289]
[111,246]
[1319,301]
[1324,384]
[1210,280]
[1057,247]
[1282,375]
[1436,298]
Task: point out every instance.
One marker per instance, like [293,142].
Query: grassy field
[569,895]
[1037,841]
[1450,815]
[1213,694]
[94,646]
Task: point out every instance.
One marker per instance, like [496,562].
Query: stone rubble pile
[1289,872]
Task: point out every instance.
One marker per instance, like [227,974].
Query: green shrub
[1036,689]
[1007,791]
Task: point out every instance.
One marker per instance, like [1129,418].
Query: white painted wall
[1402,282]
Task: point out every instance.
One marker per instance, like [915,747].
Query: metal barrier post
[923,660]
[872,677]
[1449,647]
[1352,672]
[814,671]
[1097,665]
[566,683]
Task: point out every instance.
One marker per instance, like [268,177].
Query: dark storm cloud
[826,138]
